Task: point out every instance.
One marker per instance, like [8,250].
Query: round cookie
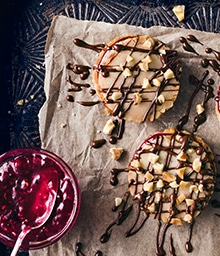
[172,176]
[137,77]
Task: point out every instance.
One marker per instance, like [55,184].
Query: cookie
[172,176]
[137,77]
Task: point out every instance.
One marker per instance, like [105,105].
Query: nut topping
[109,126]
[168,175]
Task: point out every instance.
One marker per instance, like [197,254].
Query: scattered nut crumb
[109,126]
[63,125]
[116,153]
[179,11]
[200,109]
[20,102]
[118,201]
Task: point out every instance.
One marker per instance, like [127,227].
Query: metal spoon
[38,204]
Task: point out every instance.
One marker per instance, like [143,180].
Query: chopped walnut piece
[146,83]
[180,199]
[127,72]
[149,43]
[116,95]
[180,172]
[168,177]
[182,156]
[149,176]
[153,158]
[176,221]
[193,188]
[147,59]
[143,66]
[148,186]
[156,82]
[118,201]
[109,126]
[136,163]
[158,168]
[189,202]
[169,74]
[152,207]
[179,11]
[188,218]
[161,99]
[137,98]
[129,58]
[160,183]
[200,109]
[173,184]
[184,184]
[116,153]
[196,165]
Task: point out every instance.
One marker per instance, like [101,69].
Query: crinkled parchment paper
[68,128]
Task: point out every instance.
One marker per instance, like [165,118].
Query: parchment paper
[68,128]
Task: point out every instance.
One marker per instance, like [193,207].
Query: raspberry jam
[22,171]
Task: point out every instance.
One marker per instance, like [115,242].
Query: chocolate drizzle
[192,38]
[133,231]
[186,46]
[161,238]
[114,176]
[216,53]
[88,103]
[208,94]
[98,143]
[78,250]
[205,62]
[122,216]
[96,47]
[76,86]
[171,246]
[212,63]
[155,144]
[188,245]
[128,85]
[81,70]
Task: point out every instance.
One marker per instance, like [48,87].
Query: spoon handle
[19,240]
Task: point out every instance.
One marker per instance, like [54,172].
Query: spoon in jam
[35,203]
